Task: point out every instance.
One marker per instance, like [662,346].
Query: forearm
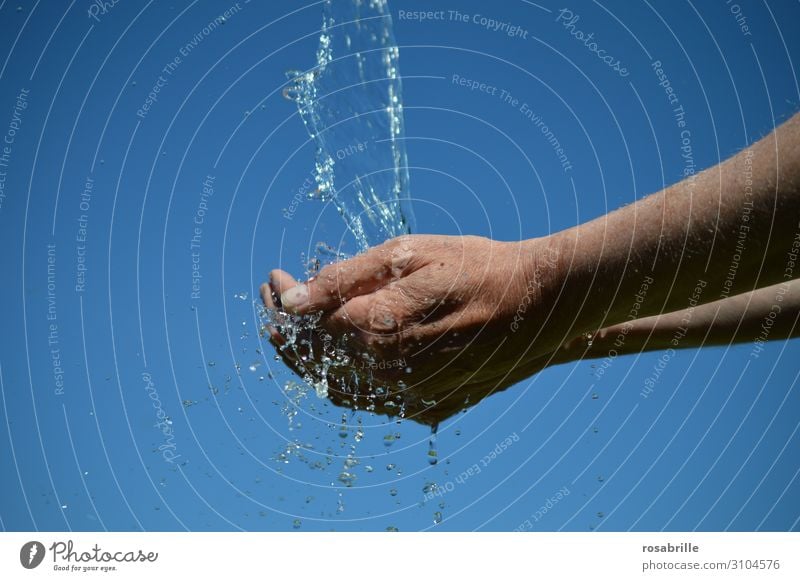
[769,313]
[729,228]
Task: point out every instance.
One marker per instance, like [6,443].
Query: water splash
[351,105]
[350,102]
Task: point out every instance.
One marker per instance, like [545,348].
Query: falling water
[351,105]
[350,102]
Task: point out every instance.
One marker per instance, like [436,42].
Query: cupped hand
[427,324]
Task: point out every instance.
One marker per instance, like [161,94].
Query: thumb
[337,283]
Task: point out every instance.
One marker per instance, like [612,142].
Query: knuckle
[385,314]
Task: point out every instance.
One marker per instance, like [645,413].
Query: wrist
[543,278]
[564,283]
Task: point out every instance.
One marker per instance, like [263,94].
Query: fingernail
[295,297]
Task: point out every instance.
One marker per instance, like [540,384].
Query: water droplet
[211,363]
[390,467]
[393,492]
[600,515]
[296,523]
[347,478]
[600,478]
[392,529]
[437,517]
[433,455]
[595,396]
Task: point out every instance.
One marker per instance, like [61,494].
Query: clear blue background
[714,447]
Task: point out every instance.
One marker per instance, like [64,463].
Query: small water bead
[296,523]
[600,515]
[393,492]
[343,431]
[392,529]
[347,478]
[595,396]
[390,467]
[437,517]
[433,455]
[600,478]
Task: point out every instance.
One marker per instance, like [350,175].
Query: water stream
[351,104]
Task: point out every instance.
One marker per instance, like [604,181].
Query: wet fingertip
[264,290]
[275,337]
[296,297]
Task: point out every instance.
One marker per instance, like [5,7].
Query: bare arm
[732,228]
[766,314]
[447,320]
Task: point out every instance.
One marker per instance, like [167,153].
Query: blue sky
[128,402]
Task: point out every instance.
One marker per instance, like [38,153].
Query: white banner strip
[494,556]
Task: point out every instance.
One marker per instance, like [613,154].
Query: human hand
[435,323]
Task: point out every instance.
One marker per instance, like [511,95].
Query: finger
[268,298]
[290,357]
[361,275]
[270,295]
[281,281]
